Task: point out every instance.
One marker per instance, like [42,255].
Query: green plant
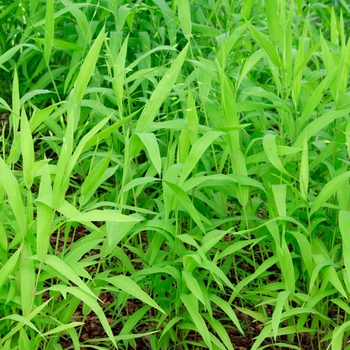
[174,175]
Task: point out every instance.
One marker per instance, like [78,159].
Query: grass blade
[270,147]
[226,307]
[90,300]
[118,82]
[9,266]
[304,171]
[197,151]
[249,64]
[27,147]
[27,280]
[61,267]
[344,225]
[103,215]
[184,13]
[279,193]
[44,214]
[246,8]
[194,287]
[49,30]
[265,43]
[128,286]
[87,68]
[315,98]
[318,124]
[187,203]
[338,336]
[160,93]
[191,305]
[276,316]
[150,143]
[94,179]
[328,190]
[192,118]
[273,18]
[12,189]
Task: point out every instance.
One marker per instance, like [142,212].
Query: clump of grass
[190,158]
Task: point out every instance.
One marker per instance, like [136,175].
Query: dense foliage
[174,173]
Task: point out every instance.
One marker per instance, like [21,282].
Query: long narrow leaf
[127,285]
[88,67]
[49,30]
[191,304]
[328,190]
[161,92]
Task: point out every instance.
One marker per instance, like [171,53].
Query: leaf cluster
[190,156]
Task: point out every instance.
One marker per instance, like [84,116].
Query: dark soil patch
[4,124]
